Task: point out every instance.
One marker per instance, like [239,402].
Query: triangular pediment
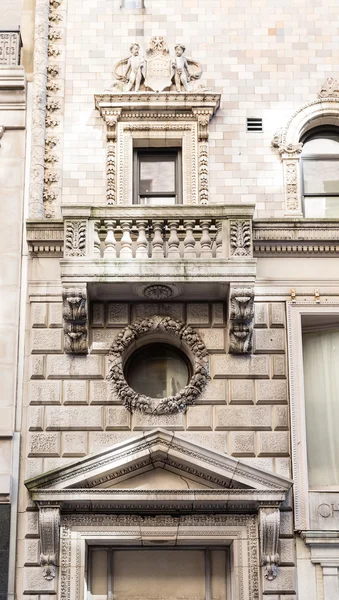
[154,467]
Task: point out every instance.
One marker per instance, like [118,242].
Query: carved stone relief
[240,238]
[169,327]
[269,524]
[330,88]
[49,529]
[75,314]
[241,318]
[75,238]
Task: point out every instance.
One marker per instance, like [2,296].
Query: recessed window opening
[157,370]
[320,173]
[157,176]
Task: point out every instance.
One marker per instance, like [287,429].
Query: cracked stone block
[280,418]
[61,418]
[242,392]
[283,583]
[271,392]
[55,314]
[260,314]
[44,392]
[100,441]
[75,392]
[274,443]
[240,367]
[68,366]
[214,392]
[35,418]
[74,443]
[100,393]
[44,444]
[243,417]
[218,314]
[117,314]
[39,314]
[98,314]
[47,340]
[174,422]
[198,314]
[242,443]
[102,339]
[278,367]
[268,341]
[214,339]
[199,417]
[118,417]
[277,314]
[37,367]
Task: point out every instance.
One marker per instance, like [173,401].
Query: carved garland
[173,404]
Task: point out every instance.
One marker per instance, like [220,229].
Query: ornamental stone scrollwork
[241,317]
[329,89]
[75,238]
[269,526]
[240,238]
[75,314]
[167,327]
[49,529]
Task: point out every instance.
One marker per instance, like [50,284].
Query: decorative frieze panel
[10,48]
[75,238]
[240,238]
[75,320]
[241,317]
[269,524]
[49,529]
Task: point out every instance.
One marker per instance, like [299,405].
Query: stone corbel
[269,528]
[111,118]
[241,315]
[75,314]
[49,529]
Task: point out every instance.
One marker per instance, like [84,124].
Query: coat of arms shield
[158,66]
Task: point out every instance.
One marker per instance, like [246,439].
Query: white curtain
[321,380]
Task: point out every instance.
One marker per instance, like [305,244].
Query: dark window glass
[157,177]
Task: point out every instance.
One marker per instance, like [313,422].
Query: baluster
[158,240]
[173,241]
[126,240]
[110,241]
[189,241]
[96,239]
[205,241]
[142,243]
[218,239]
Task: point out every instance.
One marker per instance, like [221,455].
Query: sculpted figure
[181,71]
[135,69]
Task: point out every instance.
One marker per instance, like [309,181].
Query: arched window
[320,172]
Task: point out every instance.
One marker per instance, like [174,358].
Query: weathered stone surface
[74,443]
[32,552]
[75,392]
[242,443]
[286,524]
[117,314]
[199,417]
[118,417]
[269,340]
[231,366]
[287,552]
[35,418]
[32,524]
[242,392]
[213,441]
[261,463]
[55,463]
[283,466]
[102,339]
[44,444]
[214,392]
[37,367]
[68,366]
[100,393]
[214,339]
[173,422]
[89,417]
[218,314]
[170,309]
[44,392]
[273,443]
[243,417]
[36,583]
[33,467]
[98,441]
[55,314]
[98,314]
[271,392]
[277,314]
[260,314]
[39,314]
[47,340]
[280,418]
[278,367]
[284,582]
[198,314]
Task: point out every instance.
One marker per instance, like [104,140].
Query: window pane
[321,207]
[321,176]
[321,381]
[157,200]
[156,175]
[328,144]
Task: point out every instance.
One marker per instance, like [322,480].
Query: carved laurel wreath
[172,404]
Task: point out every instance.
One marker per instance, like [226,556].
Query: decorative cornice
[45,238]
[160,101]
[296,237]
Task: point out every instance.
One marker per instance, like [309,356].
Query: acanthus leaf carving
[329,89]
[75,238]
[75,314]
[241,320]
[269,525]
[49,529]
[240,238]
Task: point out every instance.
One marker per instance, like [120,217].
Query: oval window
[157,370]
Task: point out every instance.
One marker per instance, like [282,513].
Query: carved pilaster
[203,117]
[269,527]
[240,238]
[75,313]
[111,119]
[49,529]
[290,156]
[241,315]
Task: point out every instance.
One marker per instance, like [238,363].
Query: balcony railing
[10,48]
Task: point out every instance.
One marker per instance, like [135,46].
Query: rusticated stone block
[260,314]
[214,339]
[277,314]
[44,392]
[278,367]
[117,314]
[214,392]
[269,341]
[118,417]
[31,524]
[212,440]
[72,418]
[39,314]
[240,367]
[283,583]
[243,417]
[68,366]
[74,443]
[47,340]
[55,314]
[198,314]
[242,392]
[35,418]
[75,392]
[100,393]
[35,582]
[173,422]
[271,392]
[98,314]
[33,467]
[176,310]
[32,552]
[287,552]
[102,339]
[218,314]
[242,443]
[199,417]
[286,524]
[100,440]
[44,444]
[260,463]
[283,467]
[273,443]
[54,463]
[280,418]
[37,367]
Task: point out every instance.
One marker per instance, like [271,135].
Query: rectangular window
[157,573]
[157,177]
[321,385]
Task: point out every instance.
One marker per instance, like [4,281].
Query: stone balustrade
[10,48]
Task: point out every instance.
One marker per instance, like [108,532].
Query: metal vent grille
[254,124]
